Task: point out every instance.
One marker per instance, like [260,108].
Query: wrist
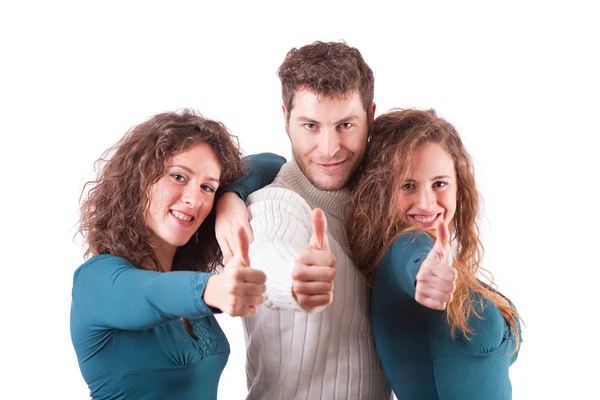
[212,291]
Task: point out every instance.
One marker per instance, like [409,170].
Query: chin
[329,186]
[329,183]
[178,242]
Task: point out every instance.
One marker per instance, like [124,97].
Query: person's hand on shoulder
[314,271]
[239,289]
[231,213]
[436,279]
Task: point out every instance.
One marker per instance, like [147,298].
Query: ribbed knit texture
[292,354]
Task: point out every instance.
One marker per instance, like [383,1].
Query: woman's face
[180,200]
[429,193]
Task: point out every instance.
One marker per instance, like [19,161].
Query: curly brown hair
[112,215]
[326,68]
[373,225]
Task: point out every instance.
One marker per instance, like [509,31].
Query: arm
[262,169]
[231,210]
[404,260]
[431,275]
[108,291]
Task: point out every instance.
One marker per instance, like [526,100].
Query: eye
[440,184]
[310,126]
[408,186]
[208,188]
[346,125]
[179,178]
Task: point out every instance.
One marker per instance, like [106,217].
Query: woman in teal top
[440,332]
[142,321]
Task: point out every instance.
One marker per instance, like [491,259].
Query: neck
[165,254]
[332,202]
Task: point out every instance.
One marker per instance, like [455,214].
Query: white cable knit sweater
[292,354]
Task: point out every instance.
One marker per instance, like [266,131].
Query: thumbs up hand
[436,279]
[314,272]
[239,289]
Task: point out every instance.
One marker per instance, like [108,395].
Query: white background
[520,81]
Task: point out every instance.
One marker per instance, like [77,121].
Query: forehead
[431,159]
[200,158]
[327,108]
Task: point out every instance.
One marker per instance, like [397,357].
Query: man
[307,343]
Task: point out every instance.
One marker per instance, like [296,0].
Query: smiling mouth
[330,165]
[426,220]
[181,216]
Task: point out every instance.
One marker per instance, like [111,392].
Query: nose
[192,196]
[426,198]
[329,142]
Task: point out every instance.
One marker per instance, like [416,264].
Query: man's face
[329,136]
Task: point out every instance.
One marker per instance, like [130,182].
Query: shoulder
[280,194]
[279,213]
[412,241]
[409,247]
[267,157]
[101,264]
[280,200]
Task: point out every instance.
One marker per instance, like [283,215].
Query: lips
[330,166]
[182,218]
[426,220]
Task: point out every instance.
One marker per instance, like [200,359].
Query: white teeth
[425,219]
[181,216]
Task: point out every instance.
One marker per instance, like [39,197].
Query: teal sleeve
[262,169]
[405,258]
[110,292]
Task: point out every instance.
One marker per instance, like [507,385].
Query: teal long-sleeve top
[126,328]
[420,358]
[129,339]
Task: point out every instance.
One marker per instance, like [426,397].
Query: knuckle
[303,300]
[331,274]
[297,286]
[238,274]
[235,302]
[260,275]
[301,256]
[300,273]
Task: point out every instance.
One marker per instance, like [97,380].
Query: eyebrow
[435,178]
[312,121]
[189,170]
[306,119]
[346,119]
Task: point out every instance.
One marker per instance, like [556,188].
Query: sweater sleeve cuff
[273,259]
[198,284]
[261,170]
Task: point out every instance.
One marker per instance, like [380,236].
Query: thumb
[442,242]
[319,225]
[243,244]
